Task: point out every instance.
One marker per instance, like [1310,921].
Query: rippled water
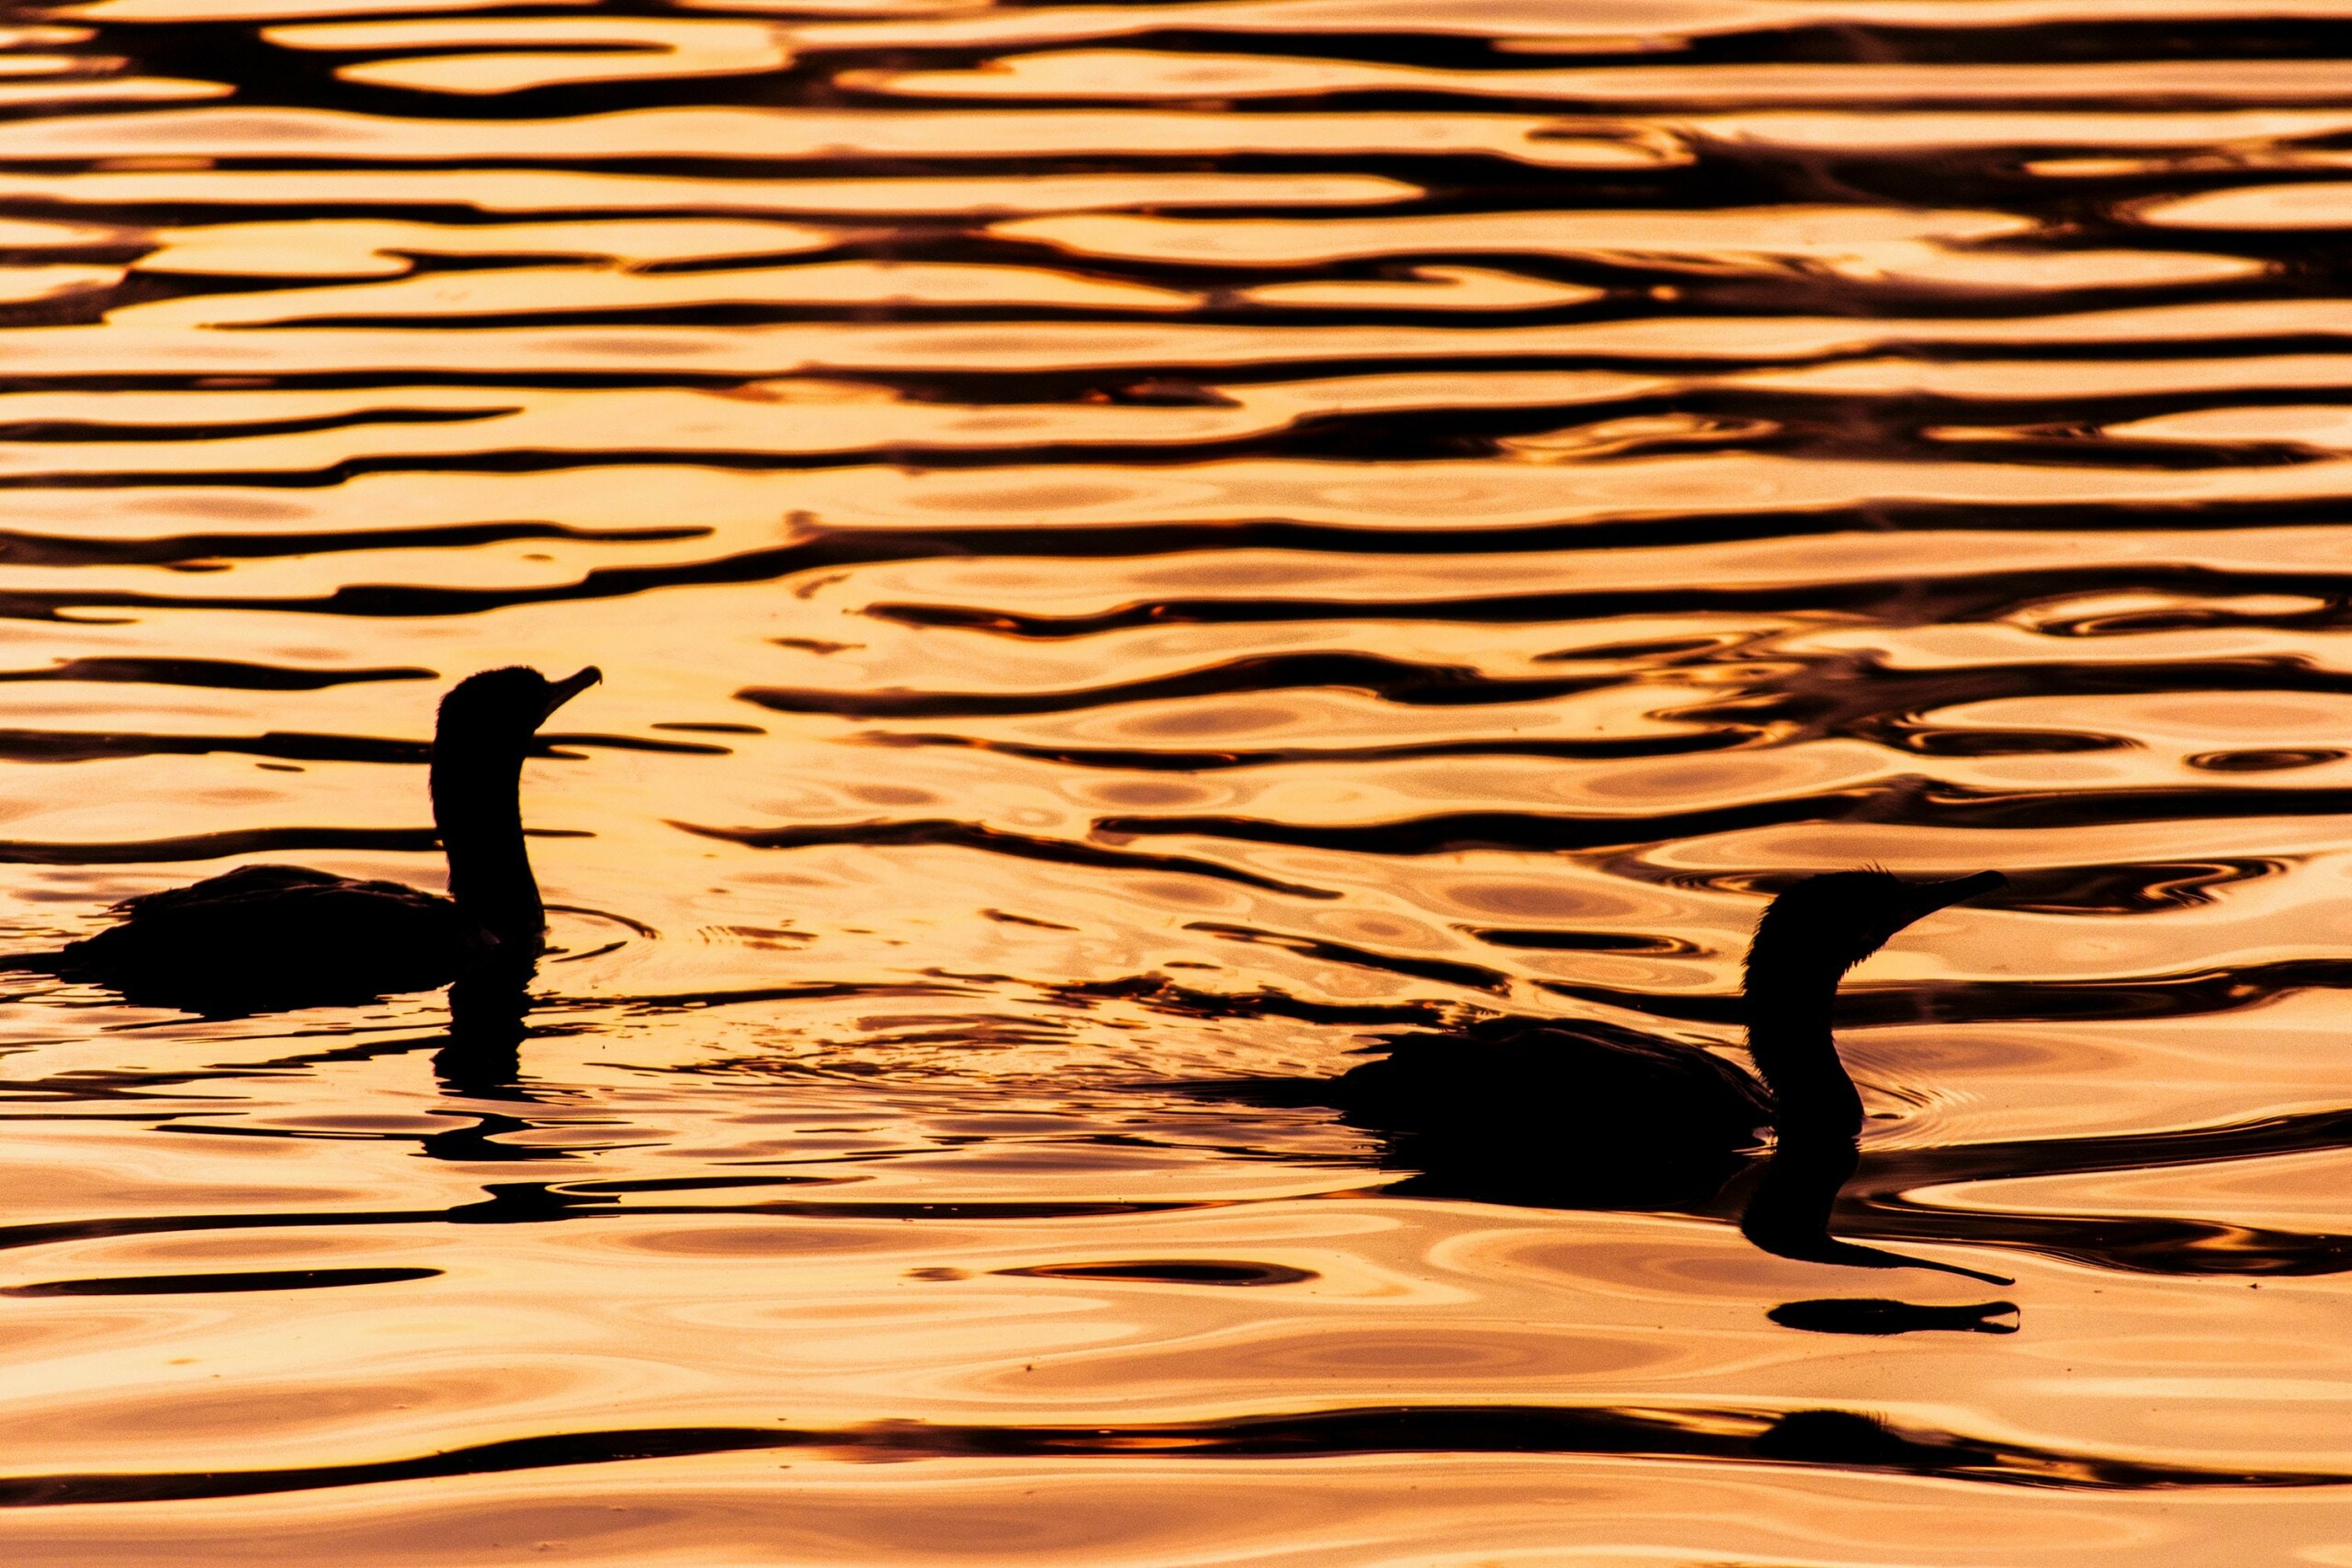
[1135,547]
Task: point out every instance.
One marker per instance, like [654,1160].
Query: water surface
[1138,546]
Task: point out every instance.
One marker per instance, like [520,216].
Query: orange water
[1141,545]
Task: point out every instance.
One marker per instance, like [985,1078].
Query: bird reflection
[265,938]
[1788,1210]
[1594,1116]
[1879,1318]
[483,1057]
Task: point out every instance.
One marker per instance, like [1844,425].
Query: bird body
[266,936]
[1584,1114]
[322,938]
[1570,1115]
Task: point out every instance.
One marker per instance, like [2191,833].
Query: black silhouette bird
[267,937]
[1593,1115]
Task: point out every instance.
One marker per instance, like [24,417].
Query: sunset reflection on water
[1136,548]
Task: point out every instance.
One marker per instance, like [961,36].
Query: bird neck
[1789,1041]
[477,807]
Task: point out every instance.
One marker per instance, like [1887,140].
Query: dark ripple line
[1446,971]
[801,991]
[1901,602]
[2221,40]
[1877,1202]
[547,1203]
[1860,696]
[1907,801]
[215,846]
[1423,436]
[2098,887]
[506,1203]
[219,674]
[1158,993]
[2126,1244]
[1170,1271]
[1818,1439]
[71,431]
[1916,599]
[995,840]
[1007,1209]
[2146,996]
[1906,314]
[1853,694]
[1392,680]
[89,746]
[405,600]
[213,1284]
[70,550]
[1135,759]
[2178,995]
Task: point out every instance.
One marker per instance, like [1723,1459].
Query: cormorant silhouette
[1591,1115]
[267,937]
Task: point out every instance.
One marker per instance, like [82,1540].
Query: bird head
[1829,923]
[502,709]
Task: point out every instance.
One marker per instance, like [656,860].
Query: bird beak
[1929,896]
[563,690]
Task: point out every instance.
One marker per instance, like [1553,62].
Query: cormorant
[267,937]
[1596,1115]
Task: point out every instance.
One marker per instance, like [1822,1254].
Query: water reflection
[483,1057]
[1141,550]
[1790,1208]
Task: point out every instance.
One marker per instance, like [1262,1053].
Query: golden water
[1137,545]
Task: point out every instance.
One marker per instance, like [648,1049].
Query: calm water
[1134,545]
